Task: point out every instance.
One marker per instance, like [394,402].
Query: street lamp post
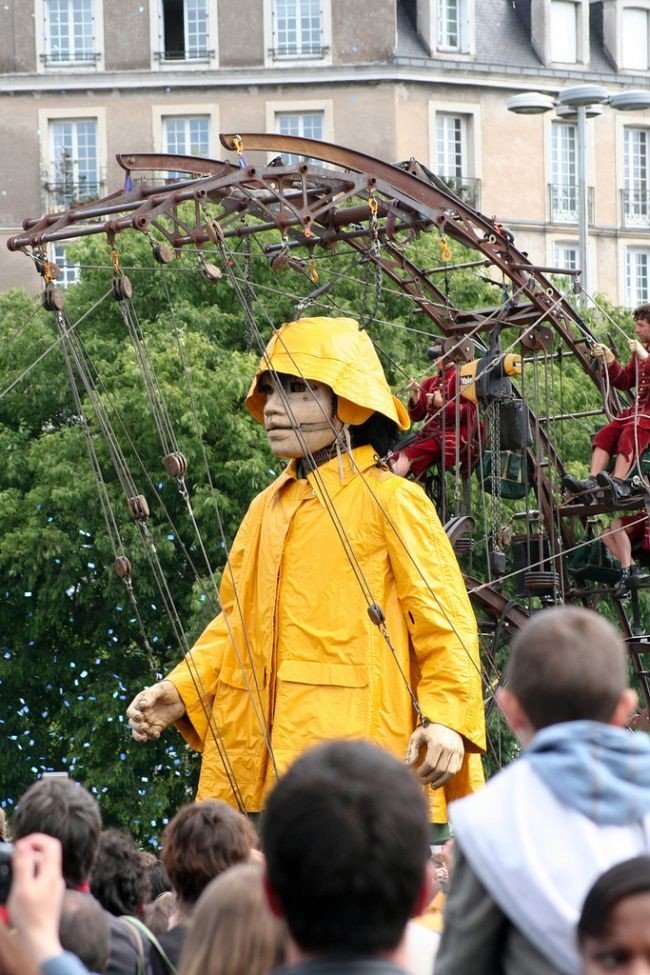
[579,103]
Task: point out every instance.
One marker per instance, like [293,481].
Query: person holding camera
[34,906]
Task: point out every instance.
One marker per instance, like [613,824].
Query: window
[636,34]
[453,161]
[565,255]
[69,31]
[451,145]
[69,272]
[637,268]
[186,136]
[185,30]
[636,195]
[74,166]
[309,125]
[450,25]
[297,29]
[564,182]
[564,31]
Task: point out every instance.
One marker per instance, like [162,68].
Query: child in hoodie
[577,801]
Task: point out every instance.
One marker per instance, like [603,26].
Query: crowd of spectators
[549,875]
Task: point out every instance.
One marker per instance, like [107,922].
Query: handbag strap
[136,925]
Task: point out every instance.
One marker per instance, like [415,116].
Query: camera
[6,853]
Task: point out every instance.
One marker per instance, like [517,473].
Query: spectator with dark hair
[233,930]
[576,802]
[158,880]
[84,930]
[34,906]
[614,926]
[62,808]
[120,878]
[65,810]
[200,842]
[347,859]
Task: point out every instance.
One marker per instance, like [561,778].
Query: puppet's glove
[444,753]
[637,349]
[153,709]
[603,352]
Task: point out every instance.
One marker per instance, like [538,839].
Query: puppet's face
[299,415]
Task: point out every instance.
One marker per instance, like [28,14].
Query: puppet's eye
[297,386]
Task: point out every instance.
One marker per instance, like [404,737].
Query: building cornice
[403,70]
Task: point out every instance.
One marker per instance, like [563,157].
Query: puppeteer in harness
[344,612]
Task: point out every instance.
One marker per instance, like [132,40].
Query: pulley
[121,287]
[122,566]
[279,262]
[541,583]
[52,298]
[163,254]
[175,464]
[538,339]
[376,614]
[211,272]
[464,545]
[138,507]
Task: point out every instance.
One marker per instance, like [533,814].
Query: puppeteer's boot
[622,587]
[578,485]
[638,578]
[619,488]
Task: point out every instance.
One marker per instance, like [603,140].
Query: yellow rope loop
[47,272]
[115,257]
[372,203]
[445,249]
[238,144]
[313,271]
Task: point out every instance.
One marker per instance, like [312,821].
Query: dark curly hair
[120,876]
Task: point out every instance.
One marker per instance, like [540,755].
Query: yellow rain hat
[334,351]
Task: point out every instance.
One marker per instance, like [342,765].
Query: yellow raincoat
[294,659]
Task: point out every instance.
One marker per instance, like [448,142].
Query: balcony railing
[635,207]
[66,58]
[563,203]
[194,54]
[304,52]
[61,195]
[467,188]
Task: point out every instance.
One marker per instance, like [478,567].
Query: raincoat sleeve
[196,677]
[435,605]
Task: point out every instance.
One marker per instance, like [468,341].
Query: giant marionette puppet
[344,612]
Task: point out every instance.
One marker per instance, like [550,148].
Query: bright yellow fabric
[296,652]
[334,351]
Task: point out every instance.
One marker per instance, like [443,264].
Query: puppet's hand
[153,709]
[637,349]
[601,351]
[444,753]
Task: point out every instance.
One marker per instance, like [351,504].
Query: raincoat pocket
[317,700]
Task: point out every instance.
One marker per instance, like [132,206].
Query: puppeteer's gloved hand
[153,709]
[444,753]
[637,349]
[601,351]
